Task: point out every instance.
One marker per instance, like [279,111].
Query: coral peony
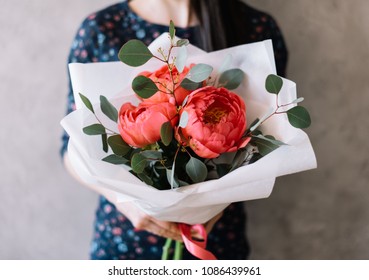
[140,126]
[216,122]
[164,82]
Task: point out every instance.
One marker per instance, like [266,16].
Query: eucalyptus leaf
[180,62]
[95,129]
[299,117]
[273,84]
[239,159]
[138,163]
[264,146]
[197,170]
[134,53]
[146,179]
[118,145]
[223,169]
[152,155]
[172,30]
[166,133]
[298,100]
[182,43]
[114,159]
[108,109]
[190,85]
[144,87]
[183,120]
[270,139]
[231,79]
[87,102]
[104,140]
[200,72]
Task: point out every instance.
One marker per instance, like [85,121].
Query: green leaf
[95,129]
[299,117]
[270,139]
[146,179]
[144,87]
[223,169]
[108,109]
[264,146]
[134,53]
[87,102]
[152,155]
[239,159]
[190,85]
[118,145]
[138,163]
[183,120]
[104,139]
[114,159]
[172,30]
[182,43]
[197,170]
[231,79]
[166,133]
[273,84]
[200,72]
[181,59]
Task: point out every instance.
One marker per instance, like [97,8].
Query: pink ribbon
[195,247]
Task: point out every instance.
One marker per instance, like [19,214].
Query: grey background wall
[319,214]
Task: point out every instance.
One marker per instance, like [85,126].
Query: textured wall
[320,214]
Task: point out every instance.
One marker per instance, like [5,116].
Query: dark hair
[223,22]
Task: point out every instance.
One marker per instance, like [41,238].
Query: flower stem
[166,248]
[178,253]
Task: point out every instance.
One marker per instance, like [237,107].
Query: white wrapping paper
[199,202]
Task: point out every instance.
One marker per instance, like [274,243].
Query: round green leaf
[273,84]
[134,53]
[144,87]
[95,129]
[118,145]
[108,109]
[182,42]
[190,85]
[197,170]
[181,59]
[152,155]
[166,133]
[200,72]
[231,79]
[138,163]
[183,120]
[299,117]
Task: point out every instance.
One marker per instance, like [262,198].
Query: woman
[128,233]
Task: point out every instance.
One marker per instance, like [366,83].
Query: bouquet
[188,132]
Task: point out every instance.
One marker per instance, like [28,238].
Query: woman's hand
[138,218]
[142,221]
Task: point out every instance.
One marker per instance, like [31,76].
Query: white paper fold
[199,202]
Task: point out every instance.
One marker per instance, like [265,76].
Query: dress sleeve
[279,46]
[84,49]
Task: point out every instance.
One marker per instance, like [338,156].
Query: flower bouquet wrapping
[185,133]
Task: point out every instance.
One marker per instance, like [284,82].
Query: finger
[154,228]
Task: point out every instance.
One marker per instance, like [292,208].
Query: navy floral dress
[99,39]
